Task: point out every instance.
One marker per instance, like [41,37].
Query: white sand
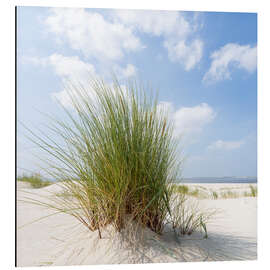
[61,240]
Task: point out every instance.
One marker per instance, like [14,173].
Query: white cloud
[91,34]
[165,107]
[193,119]
[190,54]
[228,57]
[129,71]
[73,69]
[108,39]
[154,22]
[173,27]
[188,121]
[69,67]
[226,145]
[64,97]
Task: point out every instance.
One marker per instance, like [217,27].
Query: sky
[203,64]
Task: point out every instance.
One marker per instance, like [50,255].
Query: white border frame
[7,114]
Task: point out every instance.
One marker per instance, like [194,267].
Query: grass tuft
[253,191]
[229,195]
[214,195]
[199,193]
[183,189]
[188,217]
[117,155]
[35,180]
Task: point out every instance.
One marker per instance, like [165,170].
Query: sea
[221,180]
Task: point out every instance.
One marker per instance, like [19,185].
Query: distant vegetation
[35,180]
[201,192]
[215,195]
[253,192]
[229,195]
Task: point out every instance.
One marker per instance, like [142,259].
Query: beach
[44,238]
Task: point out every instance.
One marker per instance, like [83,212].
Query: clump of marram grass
[35,180]
[117,156]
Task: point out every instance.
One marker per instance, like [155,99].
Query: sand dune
[61,240]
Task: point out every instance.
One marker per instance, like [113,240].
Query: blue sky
[204,65]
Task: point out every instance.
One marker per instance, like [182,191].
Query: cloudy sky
[203,64]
